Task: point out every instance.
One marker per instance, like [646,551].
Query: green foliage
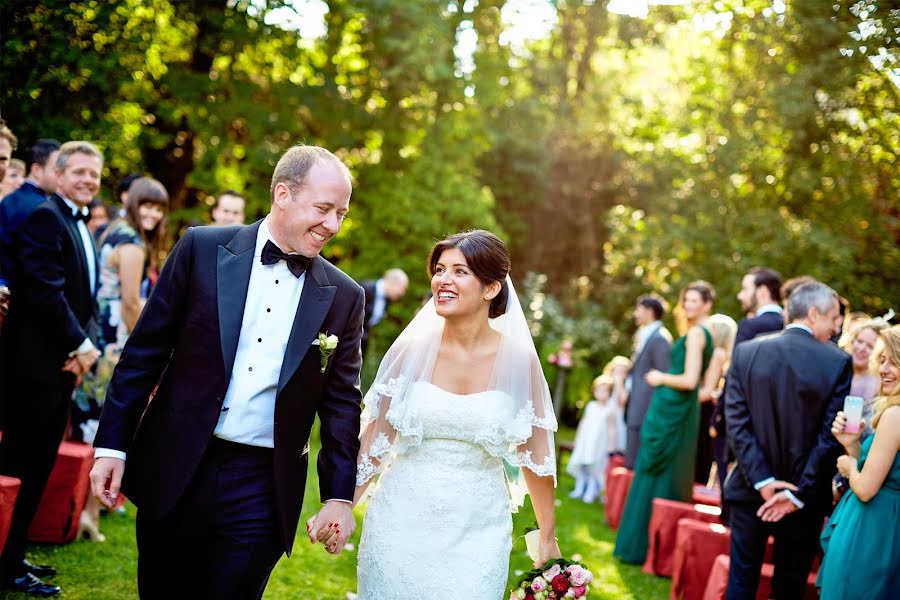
[616,155]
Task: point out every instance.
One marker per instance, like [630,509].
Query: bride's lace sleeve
[376,433]
[538,452]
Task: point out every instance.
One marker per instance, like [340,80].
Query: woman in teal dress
[665,463]
[862,539]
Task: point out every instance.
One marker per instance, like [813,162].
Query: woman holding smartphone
[860,560]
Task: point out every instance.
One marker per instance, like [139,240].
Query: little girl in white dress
[595,438]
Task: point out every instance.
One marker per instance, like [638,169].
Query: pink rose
[552,572]
[579,591]
[539,584]
[578,575]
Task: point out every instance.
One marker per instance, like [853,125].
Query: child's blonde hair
[602,380]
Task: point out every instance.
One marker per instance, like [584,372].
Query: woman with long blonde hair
[862,548]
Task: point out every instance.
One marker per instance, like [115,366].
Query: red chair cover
[617,487]
[9,489]
[615,461]
[661,532]
[56,521]
[705,495]
[718,581]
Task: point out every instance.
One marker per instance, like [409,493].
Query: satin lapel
[233,265]
[75,235]
[315,301]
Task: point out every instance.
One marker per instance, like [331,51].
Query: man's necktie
[296,263]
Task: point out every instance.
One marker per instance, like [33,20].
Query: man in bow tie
[216,463]
[46,345]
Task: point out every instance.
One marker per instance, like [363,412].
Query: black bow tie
[296,263]
[82,215]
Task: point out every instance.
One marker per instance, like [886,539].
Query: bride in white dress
[459,394]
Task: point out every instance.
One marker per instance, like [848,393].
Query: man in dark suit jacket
[233,341]
[782,395]
[379,295]
[47,343]
[17,206]
[653,351]
[760,295]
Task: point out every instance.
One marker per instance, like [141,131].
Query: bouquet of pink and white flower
[557,579]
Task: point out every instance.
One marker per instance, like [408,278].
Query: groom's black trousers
[222,539]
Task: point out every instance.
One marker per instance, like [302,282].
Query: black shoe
[37,570]
[31,585]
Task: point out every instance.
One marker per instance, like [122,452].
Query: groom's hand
[333,526]
[106,479]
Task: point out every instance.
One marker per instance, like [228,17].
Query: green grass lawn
[108,571]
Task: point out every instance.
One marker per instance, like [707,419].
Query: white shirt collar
[768,308]
[800,326]
[75,208]
[379,288]
[263,235]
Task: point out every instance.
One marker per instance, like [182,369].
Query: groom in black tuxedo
[46,343]
[216,462]
[782,394]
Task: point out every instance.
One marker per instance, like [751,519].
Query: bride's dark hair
[486,255]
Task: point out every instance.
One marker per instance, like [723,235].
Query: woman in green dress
[665,463]
[862,538]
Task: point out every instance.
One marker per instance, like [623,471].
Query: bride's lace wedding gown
[439,524]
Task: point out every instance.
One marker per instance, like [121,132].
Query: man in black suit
[19,205]
[760,296]
[782,395]
[47,343]
[653,350]
[379,295]
[232,341]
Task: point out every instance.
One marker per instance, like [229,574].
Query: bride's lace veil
[521,433]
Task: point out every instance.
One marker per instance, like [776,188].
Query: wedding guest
[760,296]
[99,217]
[47,344]
[391,287]
[665,463]
[594,440]
[723,330]
[14,178]
[781,395]
[791,285]
[859,561]
[229,209]
[653,347]
[860,343]
[130,250]
[8,144]
[16,208]
[617,369]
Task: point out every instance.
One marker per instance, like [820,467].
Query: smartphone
[853,406]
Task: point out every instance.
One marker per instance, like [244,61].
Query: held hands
[82,363]
[654,377]
[776,507]
[846,439]
[332,526]
[106,479]
[770,489]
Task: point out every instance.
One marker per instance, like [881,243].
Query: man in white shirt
[46,344]
[230,341]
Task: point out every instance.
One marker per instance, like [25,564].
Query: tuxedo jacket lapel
[315,301]
[75,236]
[233,265]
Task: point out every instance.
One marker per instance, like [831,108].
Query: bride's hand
[547,550]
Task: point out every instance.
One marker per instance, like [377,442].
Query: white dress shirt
[768,308]
[379,304]
[248,411]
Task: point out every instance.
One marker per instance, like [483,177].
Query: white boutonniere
[327,344]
